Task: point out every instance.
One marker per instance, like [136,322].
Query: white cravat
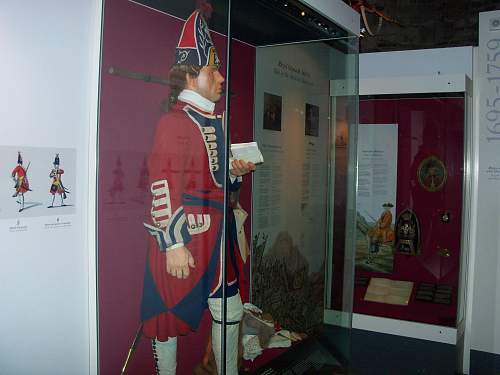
[192,97]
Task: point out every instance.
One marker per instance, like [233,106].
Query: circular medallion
[432,174]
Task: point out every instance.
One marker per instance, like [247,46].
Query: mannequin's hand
[241,167]
[178,262]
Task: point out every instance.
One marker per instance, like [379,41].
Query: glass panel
[410,207]
[281,74]
[343,207]
[162,184]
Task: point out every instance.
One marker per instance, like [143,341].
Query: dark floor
[485,363]
[380,354]
[371,353]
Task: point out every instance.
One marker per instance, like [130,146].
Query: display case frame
[143,75]
[406,86]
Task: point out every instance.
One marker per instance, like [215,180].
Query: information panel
[289,223]
[376,200]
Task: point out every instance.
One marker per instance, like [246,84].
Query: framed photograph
[312,120]
[272,111]
[432,174]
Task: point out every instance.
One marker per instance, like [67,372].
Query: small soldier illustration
[381,233]
[20,177]
[117,187]
[57,186]
[143,183]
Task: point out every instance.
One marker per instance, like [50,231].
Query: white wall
[457,60]
[49,72]
[486,303]
[486,277]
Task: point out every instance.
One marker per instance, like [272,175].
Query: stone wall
[426,24]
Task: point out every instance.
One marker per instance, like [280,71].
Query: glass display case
[409,209]
[208,264]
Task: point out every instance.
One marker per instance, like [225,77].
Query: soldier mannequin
[186,169]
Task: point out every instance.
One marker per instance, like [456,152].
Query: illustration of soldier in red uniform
[143,183]
[116,189]
[20,177]
[381,233]
[186,175]
[57,186]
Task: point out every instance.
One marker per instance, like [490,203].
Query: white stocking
[234,315]
[165,355]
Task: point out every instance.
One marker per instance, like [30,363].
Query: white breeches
[165,352]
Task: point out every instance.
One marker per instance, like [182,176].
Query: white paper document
[247,152]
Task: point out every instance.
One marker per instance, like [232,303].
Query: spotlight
[302,13]
[286,4]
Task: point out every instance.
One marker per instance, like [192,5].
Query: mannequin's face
[208,83]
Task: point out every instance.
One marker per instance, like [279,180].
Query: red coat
[22,184]
[186,169]
[382,231]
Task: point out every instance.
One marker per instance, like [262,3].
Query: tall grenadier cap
[195,45]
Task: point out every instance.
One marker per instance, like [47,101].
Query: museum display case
[298,253]
[410,206]
[185,236]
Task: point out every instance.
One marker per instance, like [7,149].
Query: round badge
[432,174]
